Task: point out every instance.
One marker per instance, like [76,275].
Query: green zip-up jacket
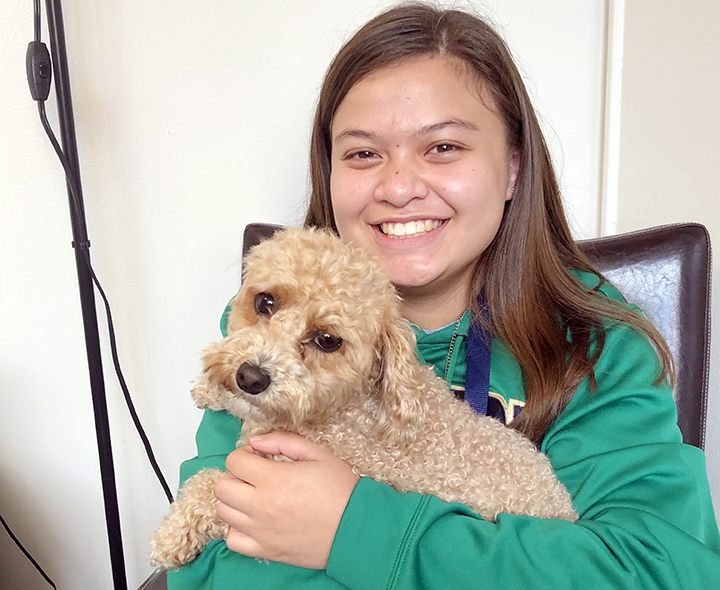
[646,517]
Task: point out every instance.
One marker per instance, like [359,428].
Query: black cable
[124,387]
[36,19]
[25,552]
[72,184]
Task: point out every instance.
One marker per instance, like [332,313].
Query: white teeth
[411,228]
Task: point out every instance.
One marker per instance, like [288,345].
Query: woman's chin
[414,285]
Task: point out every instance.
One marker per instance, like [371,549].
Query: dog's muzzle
[252,379]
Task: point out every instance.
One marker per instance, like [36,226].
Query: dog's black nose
[252,379]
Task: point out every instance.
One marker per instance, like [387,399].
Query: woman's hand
[286,511]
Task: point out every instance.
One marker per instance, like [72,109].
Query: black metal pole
[87,295]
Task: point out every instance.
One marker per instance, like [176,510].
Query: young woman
[426,149]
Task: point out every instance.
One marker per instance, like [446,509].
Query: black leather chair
[666,272]
[157,581]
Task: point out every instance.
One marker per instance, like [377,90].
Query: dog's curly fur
[371,401]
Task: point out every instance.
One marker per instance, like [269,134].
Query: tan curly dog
[317,346]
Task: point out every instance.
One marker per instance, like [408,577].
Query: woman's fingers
[290,445]
[284,510]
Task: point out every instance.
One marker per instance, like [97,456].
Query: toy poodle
[316,345]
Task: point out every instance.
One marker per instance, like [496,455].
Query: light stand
[87,295]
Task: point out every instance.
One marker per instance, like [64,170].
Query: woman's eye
[264,304]
[443,148]
[361,155]
[326,342]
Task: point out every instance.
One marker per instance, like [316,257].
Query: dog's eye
[326,342]
[264,304]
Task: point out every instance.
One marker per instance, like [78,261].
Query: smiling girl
[421,172]
[426,149]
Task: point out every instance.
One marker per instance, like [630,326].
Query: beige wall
[670,141]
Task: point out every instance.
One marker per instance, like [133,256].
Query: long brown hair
[524,273]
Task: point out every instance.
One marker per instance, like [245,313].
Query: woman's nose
[401,182]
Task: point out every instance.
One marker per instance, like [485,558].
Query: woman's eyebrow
[356,133]
[424,130]
[434,127]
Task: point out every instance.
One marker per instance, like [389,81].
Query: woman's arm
[646,515]
[643,497]
[218,567]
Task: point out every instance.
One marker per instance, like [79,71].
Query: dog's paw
[191,524]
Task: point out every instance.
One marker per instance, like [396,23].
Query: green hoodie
[646,517]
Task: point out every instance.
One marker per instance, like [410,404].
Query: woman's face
[421,173]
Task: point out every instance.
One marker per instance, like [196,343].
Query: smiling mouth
[411,228]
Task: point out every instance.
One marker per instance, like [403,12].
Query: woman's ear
[513,170]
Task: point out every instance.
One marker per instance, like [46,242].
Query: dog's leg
[191,524]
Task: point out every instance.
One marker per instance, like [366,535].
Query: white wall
[192,120]
[669,150]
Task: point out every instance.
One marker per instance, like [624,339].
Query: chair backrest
[257,232]
[666,272]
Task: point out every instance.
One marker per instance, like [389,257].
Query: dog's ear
[209,391]
[207,395]
[401,377]
[235,316]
